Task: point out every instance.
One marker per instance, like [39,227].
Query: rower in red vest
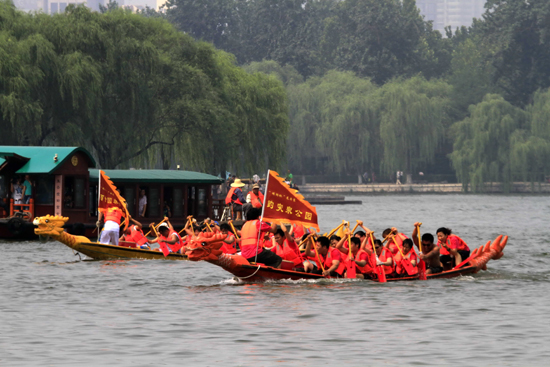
[451,247]
[250,236]
[286,248]
[383,256]
[134,233]
[168,239]
[230,242]
[410,254]
[329,257]
[395,240]
[236,199]
[358,256]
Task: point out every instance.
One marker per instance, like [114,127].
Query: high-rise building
[453,13]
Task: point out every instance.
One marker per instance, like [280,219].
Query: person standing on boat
[27,190]
[250,248]
[254,199]
[142,204]
[236,198]
[451,247]
[430,252]
[329,257]
[111,230]
[17,191]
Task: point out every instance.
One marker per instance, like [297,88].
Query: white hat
[164,225]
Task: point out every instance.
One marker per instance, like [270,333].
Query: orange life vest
[229,197]
[392,246]
[287,253]
[229,248]
[137,236]
[256,201]
[249,238]
[365,268]
[173,247]
[113,214]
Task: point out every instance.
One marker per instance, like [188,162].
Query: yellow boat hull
[100,251]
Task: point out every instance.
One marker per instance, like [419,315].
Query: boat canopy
[39,160]
[141,176]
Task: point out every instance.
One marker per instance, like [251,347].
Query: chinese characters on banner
[282,203]
[110,198]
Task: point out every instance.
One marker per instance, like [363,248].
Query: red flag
[283,203]
[109,197]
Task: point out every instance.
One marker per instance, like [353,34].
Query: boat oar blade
[409,268]
[422,270]
[350,272]
[379,270]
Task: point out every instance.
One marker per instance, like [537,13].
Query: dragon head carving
[205,247]
[49,225]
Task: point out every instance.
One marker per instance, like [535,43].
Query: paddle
[335,229]
[236,235]
[350,264]
[421,263]
[156,226]
[379,268]
[405,263]
[186,223]
[317,254]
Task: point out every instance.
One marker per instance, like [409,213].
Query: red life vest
[384,256]
[173,247]
[256,201]
[287,253]
[327,260]
[113,214]
[298,231]
[229,248]
[398,243]
[455,242]
[137,236]
[365,269]
[399,269]
[229,197]
[249,238]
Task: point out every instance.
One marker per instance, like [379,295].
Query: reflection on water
[61,312]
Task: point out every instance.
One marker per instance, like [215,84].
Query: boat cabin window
[177,203]
[74,193]
[168,201]
[202,207]
[129,193]
[153,201]
[44,186]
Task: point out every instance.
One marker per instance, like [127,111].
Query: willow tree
[530,147]
[482,147]
[413,114]
[332,118]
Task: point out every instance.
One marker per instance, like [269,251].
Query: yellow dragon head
[49,225]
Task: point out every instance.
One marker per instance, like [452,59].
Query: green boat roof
[40,159]
[156,176]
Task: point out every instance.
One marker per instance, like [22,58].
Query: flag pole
[98,202]
[261,217]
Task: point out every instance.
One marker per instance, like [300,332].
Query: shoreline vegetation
[343,87]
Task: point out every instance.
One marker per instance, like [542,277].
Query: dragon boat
[52,226]
[207,248]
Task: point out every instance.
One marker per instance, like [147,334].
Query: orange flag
[109,197]
[283,203]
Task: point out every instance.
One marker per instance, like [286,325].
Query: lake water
[58,311]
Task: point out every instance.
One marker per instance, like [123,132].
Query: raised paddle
[234,230]
[335,229]
[421,263]
[350,272]
[186,223]
[156,226]
[317,254]
[405,263]
[379,268]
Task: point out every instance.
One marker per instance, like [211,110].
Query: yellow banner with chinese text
[282,203]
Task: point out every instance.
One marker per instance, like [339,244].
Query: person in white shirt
[142,206]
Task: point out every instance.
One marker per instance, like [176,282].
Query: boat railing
[25,211]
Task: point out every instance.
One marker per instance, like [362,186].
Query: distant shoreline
[433,188]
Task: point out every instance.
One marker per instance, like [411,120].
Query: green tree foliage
[483,142]
[413,116]
[520,30]
[132,88]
